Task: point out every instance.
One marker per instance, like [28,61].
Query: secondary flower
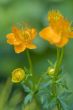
[59,30]
[18,75]
[21,39]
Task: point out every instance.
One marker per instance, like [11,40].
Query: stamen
[27,36]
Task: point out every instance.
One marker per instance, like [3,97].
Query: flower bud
[18,75]
[51,71]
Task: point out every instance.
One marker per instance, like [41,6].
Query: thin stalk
[34,100]
[55,74]
[60,54]
[31,68]
[57,62]
[61,57]
[57,68]
[30,62]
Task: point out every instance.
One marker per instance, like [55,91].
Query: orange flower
[21,39]
[59,30]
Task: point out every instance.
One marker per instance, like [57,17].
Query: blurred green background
[33,12]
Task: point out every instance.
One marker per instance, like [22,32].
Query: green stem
[31,68]
[57,68]
[30,62]
[61,57]
[33,80]
[59,60]
[58,105]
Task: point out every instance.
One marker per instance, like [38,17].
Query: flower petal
[70,35]
[33,31]
[31,46]
[11,39]
[63,42]
[17,32]
[20,48]
[49,34]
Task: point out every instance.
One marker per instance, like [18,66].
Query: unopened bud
[18,75]
[51,71]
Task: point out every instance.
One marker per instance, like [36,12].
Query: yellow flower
[59,30]
[18,75]
[22,39]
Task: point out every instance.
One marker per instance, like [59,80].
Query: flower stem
[59,59]
[30,62]
[57,69]
[31,68]
[34,102]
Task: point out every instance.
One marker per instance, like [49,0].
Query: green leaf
[63,83]
[26,88]
[45,84]
[42,98]
[50,104]
[63,104]
[65,95]
[28,99]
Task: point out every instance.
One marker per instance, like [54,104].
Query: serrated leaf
[42,99]
[28,99]
[62,83]
[46,106]
[63,104]
[45,85]
[66,94]
[26,88]
[52,103]
[49,104]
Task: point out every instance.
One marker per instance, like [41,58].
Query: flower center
[27,36]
